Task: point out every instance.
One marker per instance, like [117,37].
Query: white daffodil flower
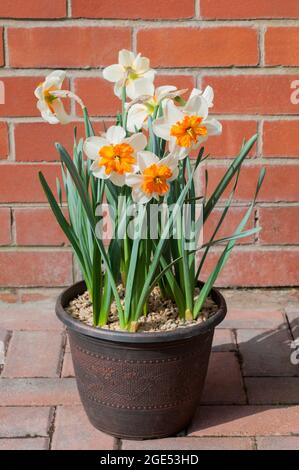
[114,155]
[188,126]
[154,178]
[145,105]
[51,106]
[128,72]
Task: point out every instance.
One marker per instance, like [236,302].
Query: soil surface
[162,313]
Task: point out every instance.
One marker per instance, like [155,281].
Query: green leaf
[225,255]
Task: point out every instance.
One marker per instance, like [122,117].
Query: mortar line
[197,14]
[212,23]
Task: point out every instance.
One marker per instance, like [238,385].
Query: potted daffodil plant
[133,202]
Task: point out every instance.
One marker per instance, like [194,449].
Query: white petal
[171,160]
[141,64]
[150,75]
[197,106]
[57,74]
[175,174]
[52,82]
[115,134]
[99,171]
[60,113]
[214,127]
[137,141]
[163,91]
[173,113]
[92,146]
[208,95]
[133,180]
[146,159]
[139,87]
[39,92]
[162,128]
[181,152]
[137,115]
[139,196]
[118,180]
[118,89]
[46,113]
[114,73]
[126,58]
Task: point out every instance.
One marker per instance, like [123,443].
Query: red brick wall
[247,50]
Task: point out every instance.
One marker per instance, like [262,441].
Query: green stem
[123,107]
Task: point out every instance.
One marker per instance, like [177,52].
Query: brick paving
[250,401]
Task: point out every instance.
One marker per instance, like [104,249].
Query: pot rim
[127,337]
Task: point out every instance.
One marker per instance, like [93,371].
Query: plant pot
[139,385]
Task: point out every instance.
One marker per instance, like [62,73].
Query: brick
[278,443]
[33,354]
[24,421]
[280,225]
[279,185]
[229,225]
[223,46]
[37,295]
[71,424]
[266,353]
[228,144]
[35,141]
[35,268]
[190,443]
[256,268]
[32,9]
[224,381]
[281,46]
[249,318]
[1,48]
[245,421]
[66,46]
[38,392]
[234,9]
[259,299]
[28,188]
[38,226]
[37,316]
[68,367]
[252,94]
[22,88]
[287,145]
[5,232]
[98,96]
[272,390]
[180,81]
[223,340]
[37,443]
[132,9]
[9,296]
[4,146]
[100,100]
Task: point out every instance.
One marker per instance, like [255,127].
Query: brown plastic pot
[139,385]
